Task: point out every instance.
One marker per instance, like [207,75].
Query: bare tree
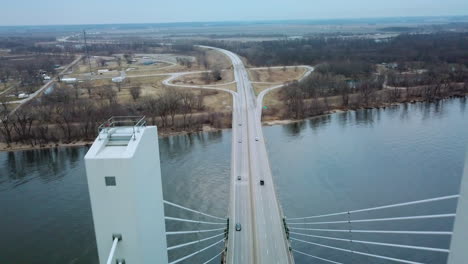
[119,62]
[366,92]
[394,94]
[6,124]
[135,91]
[216,74]
[344,91]
[63,118]
[151,108]
[107,92]
[22,125]
[101,62]
[171,100]
[128,58]
[188,104]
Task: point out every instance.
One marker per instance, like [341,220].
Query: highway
[262,238]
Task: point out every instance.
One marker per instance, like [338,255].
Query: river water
[324,165]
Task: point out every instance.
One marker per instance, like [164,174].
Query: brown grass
[217,58]
[276,75]
[152,86]
[259,87]
[197,79]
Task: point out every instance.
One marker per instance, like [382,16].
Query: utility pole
[87,51]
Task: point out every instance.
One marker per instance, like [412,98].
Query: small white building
[118,79]
[69,80]
[101,71]
[23,95]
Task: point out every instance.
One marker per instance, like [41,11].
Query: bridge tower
[124,180]
[458,252]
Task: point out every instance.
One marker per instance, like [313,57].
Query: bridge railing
[307,230]
[209,228]
[135,122]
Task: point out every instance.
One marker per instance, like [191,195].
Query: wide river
[329,164]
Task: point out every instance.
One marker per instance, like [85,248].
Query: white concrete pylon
[124,180]
[458,246]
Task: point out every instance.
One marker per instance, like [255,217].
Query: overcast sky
[47,12]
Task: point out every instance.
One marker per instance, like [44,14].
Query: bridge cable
[217,255]
[376,243]
[375,231]
[191,210]
[194,242]
[359,252]
[112,251]
[192,221]
[380,207]
[193,231]
[378,219]
[326,260]
[193,254]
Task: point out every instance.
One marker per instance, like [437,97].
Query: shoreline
[275,122]
[165,134]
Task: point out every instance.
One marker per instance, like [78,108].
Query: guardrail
[309,222]
[135,122]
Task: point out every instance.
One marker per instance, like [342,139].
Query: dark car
[262,182]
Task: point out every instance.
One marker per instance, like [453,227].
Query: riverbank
[272,120]
[163,133]
[18,146]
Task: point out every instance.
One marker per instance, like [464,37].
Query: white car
[256,139]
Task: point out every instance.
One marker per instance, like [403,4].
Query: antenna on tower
[87,51]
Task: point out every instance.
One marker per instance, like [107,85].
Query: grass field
[197,79]
[276,75]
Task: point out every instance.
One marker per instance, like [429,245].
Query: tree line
[319,93]
[429,48]
[62,117]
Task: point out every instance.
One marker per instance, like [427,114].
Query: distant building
[103,71]
[118,79]
[23,95]
[69,80]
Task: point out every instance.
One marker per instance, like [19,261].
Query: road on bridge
[256,207]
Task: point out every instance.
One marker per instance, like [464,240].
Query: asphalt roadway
[262,238]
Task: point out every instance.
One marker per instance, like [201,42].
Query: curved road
[262,238]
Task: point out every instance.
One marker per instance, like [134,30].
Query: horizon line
[238,21]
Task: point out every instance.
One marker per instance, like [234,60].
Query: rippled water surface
[329,164]
[44,200]
[369,158]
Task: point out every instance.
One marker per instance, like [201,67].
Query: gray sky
[46,12]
